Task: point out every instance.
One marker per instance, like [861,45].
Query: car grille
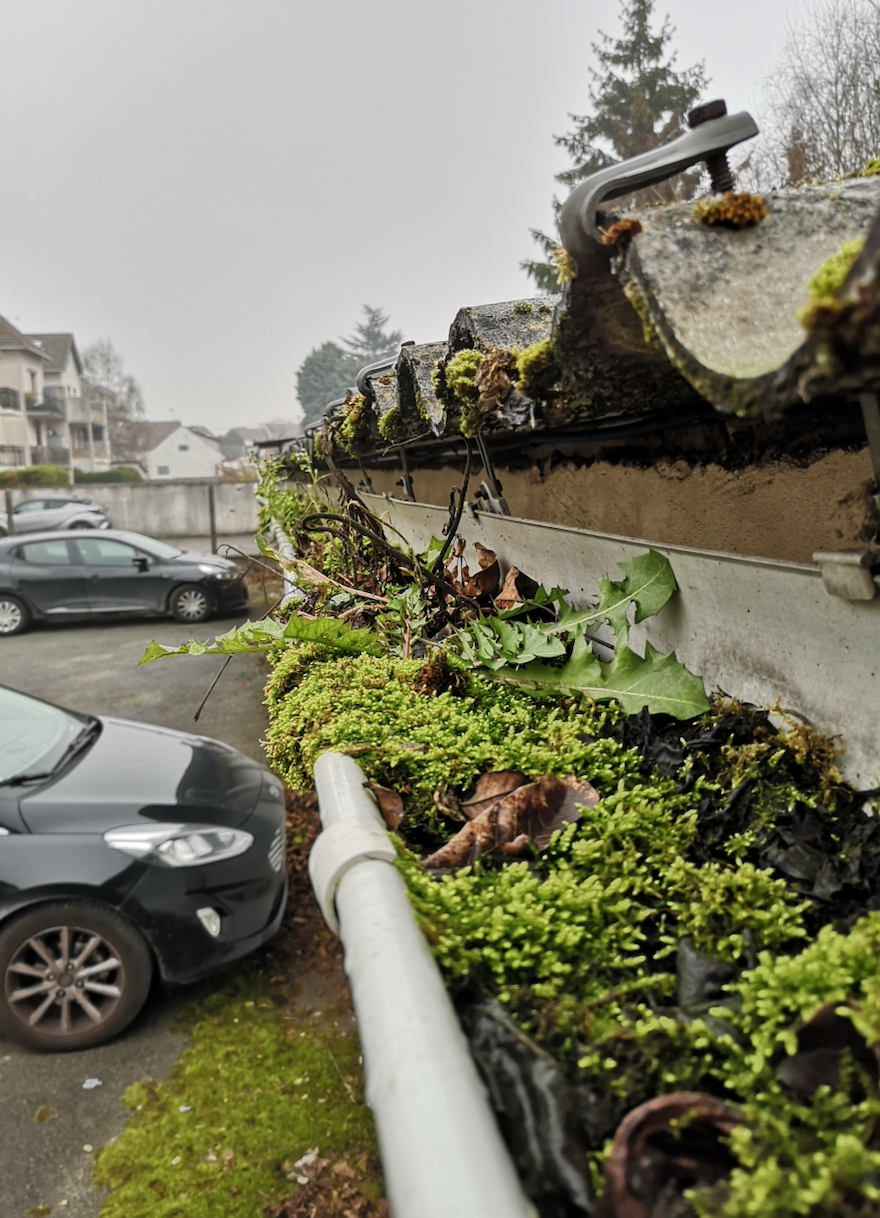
[276,850]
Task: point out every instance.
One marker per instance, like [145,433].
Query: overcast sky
[219,185]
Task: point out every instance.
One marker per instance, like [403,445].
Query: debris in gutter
[731,210]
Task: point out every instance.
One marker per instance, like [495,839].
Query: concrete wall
[177,512]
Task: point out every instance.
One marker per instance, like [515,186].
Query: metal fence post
[212,516]
[10,522]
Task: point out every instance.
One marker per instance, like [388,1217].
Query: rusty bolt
[717,165]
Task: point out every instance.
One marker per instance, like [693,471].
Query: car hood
[136,773]
[188,556]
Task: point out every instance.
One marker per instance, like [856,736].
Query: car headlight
[179,845]
[216,572]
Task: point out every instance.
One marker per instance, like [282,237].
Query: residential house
[22,371]
[70,410]
[170,450]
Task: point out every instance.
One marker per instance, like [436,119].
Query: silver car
[55,512]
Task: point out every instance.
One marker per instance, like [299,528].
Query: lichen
[827,282]
[523,306]
[872,168]
[731,210]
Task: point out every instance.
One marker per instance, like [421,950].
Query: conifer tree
[370,341]
[639,101]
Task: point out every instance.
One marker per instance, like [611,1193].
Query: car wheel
[14,614]
[80,524]
[190,603]
[73,975]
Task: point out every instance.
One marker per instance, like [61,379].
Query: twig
[341,1075]
[455,520]
[211,688]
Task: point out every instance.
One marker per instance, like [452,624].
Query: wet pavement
[93,667]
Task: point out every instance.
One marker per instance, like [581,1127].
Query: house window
[11,454]
[163,471]
[33,383]
[9,399]
[183,448]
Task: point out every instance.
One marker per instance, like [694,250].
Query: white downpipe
[442,1153]
[285,549]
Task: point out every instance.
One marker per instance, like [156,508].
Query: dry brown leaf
[390,804]
[661,1148]
[516,589]
[822,1043]
[530,814]
[490,788]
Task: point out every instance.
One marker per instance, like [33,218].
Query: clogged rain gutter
[442,1152]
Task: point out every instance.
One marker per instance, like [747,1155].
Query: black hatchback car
[67,575]
[125,851]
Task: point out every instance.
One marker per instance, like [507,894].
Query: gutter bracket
[337,849]
[406,481]
[490,487]
[847,573]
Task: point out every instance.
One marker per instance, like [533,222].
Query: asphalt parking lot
[94,667]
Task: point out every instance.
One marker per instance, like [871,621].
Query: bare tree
[109,381]
[821,114]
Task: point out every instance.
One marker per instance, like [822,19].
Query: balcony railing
[49,454]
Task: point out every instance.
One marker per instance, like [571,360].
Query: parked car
[52,576]
[125,851]
[55,512]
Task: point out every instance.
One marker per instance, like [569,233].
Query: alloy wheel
[10,616]
[192,605]
[64,980]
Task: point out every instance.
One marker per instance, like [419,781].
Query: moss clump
[638,302]
[459,373]
[620,234]
[414,741]
[564,265]
[827,282]
[523,306]
[354,430]
[258,1091]
[731,210]
[534,367]
[391,425]
[872,168]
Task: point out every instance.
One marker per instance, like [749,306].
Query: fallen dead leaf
[485,581]
[516,589]
[490,788]
[822,1043]
[390,804]
[528,815]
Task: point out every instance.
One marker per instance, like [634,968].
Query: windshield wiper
[80,742]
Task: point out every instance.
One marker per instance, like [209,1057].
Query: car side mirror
[142,563]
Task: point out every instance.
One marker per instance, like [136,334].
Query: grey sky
[219,185]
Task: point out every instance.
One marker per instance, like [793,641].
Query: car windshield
[33,734]
[158,549]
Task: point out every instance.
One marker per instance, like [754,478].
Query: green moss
[638,302]
[354,430]
[533,365]
[872,168]
[391,425]
[459,374]
[414,740]
[523,306]
[828,280]
[258,1090]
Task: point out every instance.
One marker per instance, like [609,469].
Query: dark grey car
[55,512]
[59,575]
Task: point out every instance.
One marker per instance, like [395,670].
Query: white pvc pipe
[442,1153]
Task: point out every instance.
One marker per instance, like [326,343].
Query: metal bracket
[847,573]
[406,481]
[338,848]
[703,143]
[490,487]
